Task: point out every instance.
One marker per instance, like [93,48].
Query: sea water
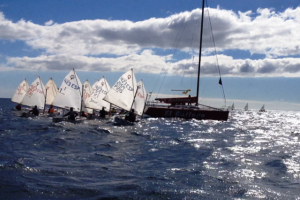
[251,156]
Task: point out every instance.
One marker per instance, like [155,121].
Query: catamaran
[176,107]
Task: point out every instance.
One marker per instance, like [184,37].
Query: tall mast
[200,49]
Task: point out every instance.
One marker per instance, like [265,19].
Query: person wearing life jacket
[71,114]
[19,106]
[131,117]
[34,111]
[51,110]
[83,114]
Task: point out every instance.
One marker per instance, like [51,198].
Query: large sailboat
[187,107]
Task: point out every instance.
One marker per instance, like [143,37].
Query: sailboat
[246,107]
[95,101]
[140,98]
[35,96]
[20,92]
[262,109]
[87,92]
[69,94]
[175,107]
[122,94]
[232,107]
[51,91]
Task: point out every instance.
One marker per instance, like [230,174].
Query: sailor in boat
[71,114]
[51,110]
[34,111]
[83,114]
[19,106]
[131,116]
[113,111]
[102,113]
[122,112]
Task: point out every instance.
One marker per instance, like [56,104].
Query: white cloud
[75,44]
[49,23]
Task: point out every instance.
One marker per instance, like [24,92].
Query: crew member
[34,111]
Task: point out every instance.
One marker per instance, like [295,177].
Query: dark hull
[187,113]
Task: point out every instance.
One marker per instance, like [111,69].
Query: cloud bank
[115,45]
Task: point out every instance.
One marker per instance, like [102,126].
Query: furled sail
[95,101]
[51,91]
[20,92]
[69,93]
[35,95]
[140,98]
[123,91]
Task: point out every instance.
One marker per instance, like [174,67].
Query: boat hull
[172,112]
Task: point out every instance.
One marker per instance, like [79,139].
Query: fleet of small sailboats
[126,94]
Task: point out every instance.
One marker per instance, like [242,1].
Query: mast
[200,49]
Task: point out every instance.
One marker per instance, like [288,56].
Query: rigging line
[216,53]
[173,46]
[189,51]
[78,83]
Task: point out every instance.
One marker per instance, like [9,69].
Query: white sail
[87,91]
[123,91]
[95,101]
[51,91]
[94,85]
[35,95]
[69,93]
[232,107]
[262,109]
[246,107]
[20,92]
[140,98]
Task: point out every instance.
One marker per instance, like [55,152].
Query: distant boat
[262,109]
[182,107]
[232,107]
[20,92]
[246,107]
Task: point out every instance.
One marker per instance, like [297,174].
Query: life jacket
[51,110]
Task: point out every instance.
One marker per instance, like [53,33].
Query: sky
[257,45]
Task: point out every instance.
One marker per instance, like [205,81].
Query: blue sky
[258,46]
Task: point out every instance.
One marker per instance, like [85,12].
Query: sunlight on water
[251,156]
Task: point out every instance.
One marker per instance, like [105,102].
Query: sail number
[70,84]
[121,85]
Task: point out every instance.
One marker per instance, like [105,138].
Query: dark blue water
[251,156]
